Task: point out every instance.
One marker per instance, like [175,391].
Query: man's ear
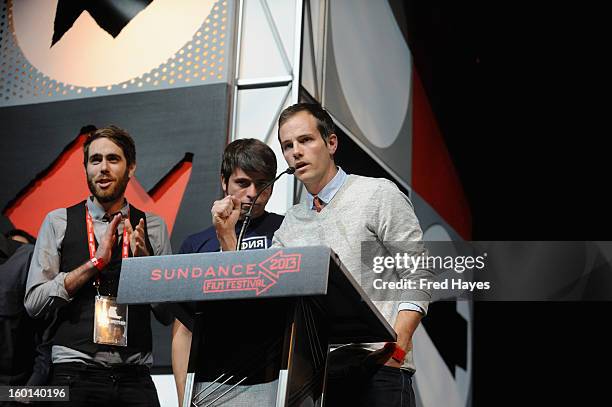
[132,170]
[332,143]
[224,186]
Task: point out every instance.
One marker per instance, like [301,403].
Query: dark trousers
[382,387]
[123,385]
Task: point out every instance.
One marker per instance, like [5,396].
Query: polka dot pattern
[201,60]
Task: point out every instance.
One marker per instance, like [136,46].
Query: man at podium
[342,211]
[247,165]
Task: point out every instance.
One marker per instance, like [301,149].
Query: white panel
[259,55]
[166,390]
[283,189]
[283,12]
[266,54]
[256,111]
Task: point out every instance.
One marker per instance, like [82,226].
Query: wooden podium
[262,320]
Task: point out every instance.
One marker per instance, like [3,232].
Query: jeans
[383,387]
[89,386]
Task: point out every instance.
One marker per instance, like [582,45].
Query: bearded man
[101,350]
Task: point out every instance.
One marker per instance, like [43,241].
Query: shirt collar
[330,190]
[97,212]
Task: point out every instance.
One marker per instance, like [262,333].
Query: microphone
[247,217]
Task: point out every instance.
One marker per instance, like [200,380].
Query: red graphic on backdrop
[64,183]
[260,279]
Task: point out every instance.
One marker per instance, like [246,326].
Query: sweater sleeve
[395,224]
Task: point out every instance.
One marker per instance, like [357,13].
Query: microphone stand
[247,216]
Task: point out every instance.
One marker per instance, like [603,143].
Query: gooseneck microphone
[247,217]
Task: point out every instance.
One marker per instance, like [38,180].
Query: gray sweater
[365,209]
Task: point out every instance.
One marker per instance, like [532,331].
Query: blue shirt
[329,191]
[257,236]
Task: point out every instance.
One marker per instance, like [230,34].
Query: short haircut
[251,156]
[325,124]
[118,136]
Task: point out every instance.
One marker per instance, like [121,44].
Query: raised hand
[136,238]
[225,214]
[108,241]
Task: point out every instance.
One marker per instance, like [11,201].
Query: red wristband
[98,263]
[399,354]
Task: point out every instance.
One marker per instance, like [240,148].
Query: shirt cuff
[409,306]
[60,290]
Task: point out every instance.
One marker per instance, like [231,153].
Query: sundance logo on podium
[257,277]
[269,273]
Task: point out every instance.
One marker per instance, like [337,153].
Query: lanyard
[91,242]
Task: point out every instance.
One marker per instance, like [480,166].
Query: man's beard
[112,194]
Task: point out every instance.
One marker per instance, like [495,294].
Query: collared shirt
[329,191]
[45,285]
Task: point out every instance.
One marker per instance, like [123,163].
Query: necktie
[317,203]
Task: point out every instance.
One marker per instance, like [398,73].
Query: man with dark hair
[324,123]
[75,274]
[248,164]
[342,211]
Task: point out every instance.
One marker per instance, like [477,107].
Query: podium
[262,320]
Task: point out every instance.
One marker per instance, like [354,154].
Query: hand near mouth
[225,212]
[225,215]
